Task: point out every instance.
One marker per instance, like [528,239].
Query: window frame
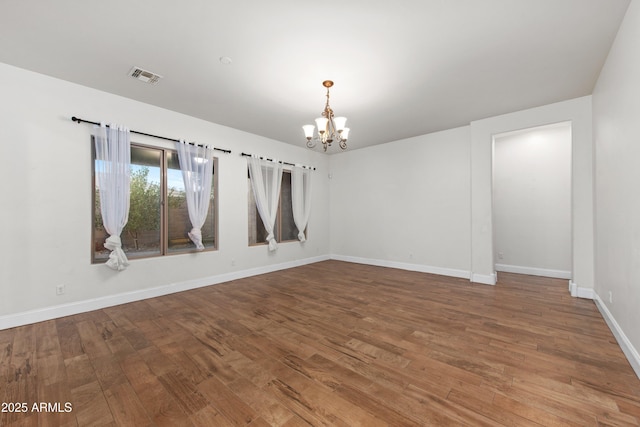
[164,207]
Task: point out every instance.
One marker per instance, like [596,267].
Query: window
[155,228]
[285,228]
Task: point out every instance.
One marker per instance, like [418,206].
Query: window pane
[99,234]
[141,235]
[178,213]
[155,228]
[288,226]
[257,232]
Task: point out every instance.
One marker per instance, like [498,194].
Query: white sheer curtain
[301,198]
[113,176]
[266,177]
[197,172]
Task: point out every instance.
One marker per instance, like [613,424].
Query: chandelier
[330,128]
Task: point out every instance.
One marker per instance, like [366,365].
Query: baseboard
[54,312]
[579,292]
[627,348]
[573,289]
[451,272]
[533,271]
[485,279]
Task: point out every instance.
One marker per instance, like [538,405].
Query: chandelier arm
[331,130]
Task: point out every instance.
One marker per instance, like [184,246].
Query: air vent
[144,75]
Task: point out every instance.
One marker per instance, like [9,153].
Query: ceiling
[401,68]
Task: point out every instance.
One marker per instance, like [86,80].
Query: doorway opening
[531,197]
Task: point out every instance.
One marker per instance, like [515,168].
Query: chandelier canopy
[330,128]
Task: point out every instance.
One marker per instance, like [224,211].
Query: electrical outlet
[233,262]
[500,255]
[60,290]
[610,297]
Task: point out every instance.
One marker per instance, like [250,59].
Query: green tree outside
[144,205]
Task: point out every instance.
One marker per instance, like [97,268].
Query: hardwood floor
[330,343]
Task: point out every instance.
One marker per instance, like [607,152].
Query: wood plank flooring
[333,344]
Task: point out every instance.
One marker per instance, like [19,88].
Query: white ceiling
[401,68]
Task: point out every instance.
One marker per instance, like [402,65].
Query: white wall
[45,218]
[532,201]
[404,204]
[616,120]
[578,112]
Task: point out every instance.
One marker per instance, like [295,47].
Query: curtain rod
[279,161]
[75,119]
